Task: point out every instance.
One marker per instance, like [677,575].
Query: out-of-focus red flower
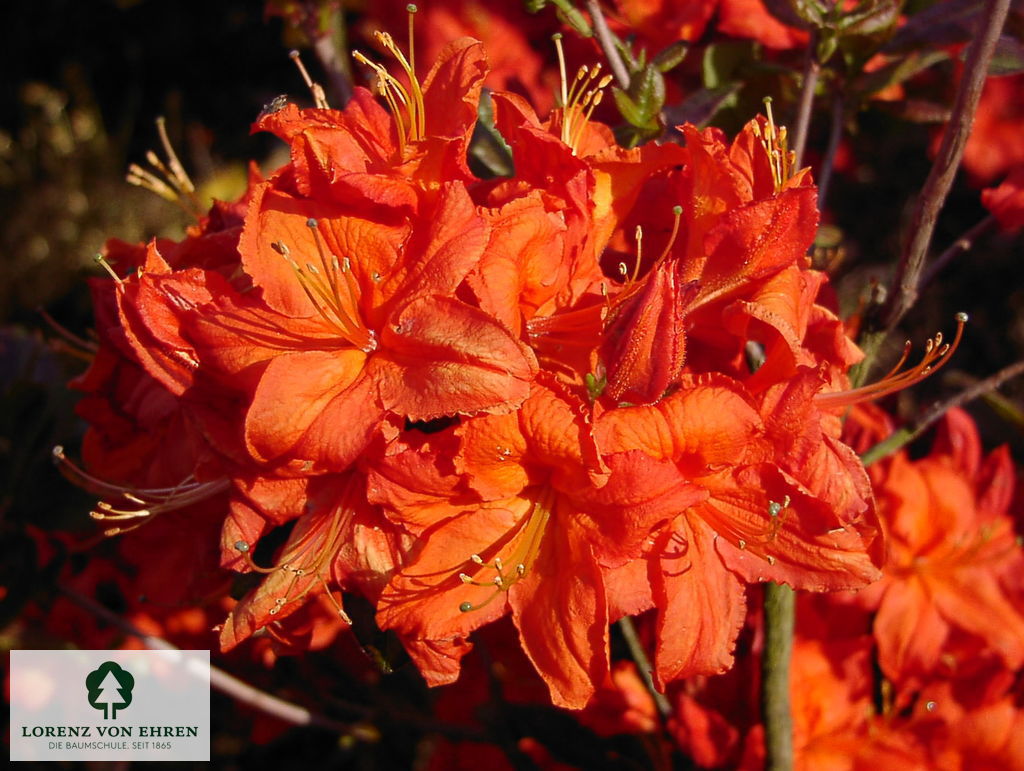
[621,705]
[956,736]
[519,53]
[750,19]
[1006,202]
[996,143]
[952,556]
[659,23]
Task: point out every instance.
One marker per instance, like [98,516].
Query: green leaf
[565,11]
[1008,58]
[671,56]
[946,22]
[898,71]
[723,61]
[489,153]
[627,107]
[794,13]
[640,106]
[647,88]
[827,45]
[871,17]
[595,385]
[700,106]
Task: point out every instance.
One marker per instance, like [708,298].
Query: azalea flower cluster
[920,670]
[606,384]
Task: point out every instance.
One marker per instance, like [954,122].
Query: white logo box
[110,705]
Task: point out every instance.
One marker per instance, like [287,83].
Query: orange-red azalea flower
[953,557]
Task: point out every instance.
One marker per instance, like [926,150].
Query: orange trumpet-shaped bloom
[365,157]
[754,521]
[741,221]
[549,520]
[953,561]
[351,321]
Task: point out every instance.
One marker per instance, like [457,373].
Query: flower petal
[562,616]
[443,357]
[701,604]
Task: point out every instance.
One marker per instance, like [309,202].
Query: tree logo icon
[110,688]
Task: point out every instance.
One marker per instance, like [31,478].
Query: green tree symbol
[110,688]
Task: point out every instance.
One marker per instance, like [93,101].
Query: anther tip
[557,36]
[767,100]
[962,317]
[311,222]
[411,8]
[294,54]
[677,210]
[465,607]
[242,546]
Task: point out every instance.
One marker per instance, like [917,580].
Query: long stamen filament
[413,127]
[178,187]
[579,99]
[321,288]
[309,555]
[557,38]
[775,141]
[936,354]
[337,273]
[530,532]
[319,97]
[146,503]
[634,286]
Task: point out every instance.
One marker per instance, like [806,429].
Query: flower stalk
[907,282]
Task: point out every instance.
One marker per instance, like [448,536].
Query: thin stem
[643,665]
[962,244]
[835,134]
[228,684]
[940,180]
[780,601]
[329,47]
[780,616]
[908,434]
[803,110]
[607,41]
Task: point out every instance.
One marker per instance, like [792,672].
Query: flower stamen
[580,99]
[67,341]
[308,556]
[145,503]
[530,532]
[319,97]
[936,354]
[332,289]
[413,127]
[781,159]
[176,186]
